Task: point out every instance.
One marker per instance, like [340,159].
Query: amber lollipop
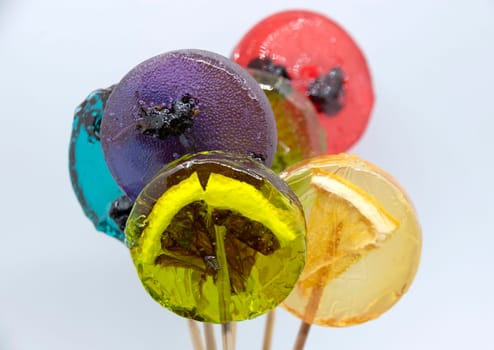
[363,242]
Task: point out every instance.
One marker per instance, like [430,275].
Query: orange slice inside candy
[363,241]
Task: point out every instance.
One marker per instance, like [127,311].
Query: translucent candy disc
[100,197]
[300,135]
[322,61]
[363,241]
[217,238]
[183,102]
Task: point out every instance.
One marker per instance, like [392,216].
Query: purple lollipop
[181,102]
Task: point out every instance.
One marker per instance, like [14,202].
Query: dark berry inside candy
[266,64]
[93,113]
[179,103]
[327,92]
[120,211]
[161,122]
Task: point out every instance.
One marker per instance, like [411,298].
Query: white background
[65,286]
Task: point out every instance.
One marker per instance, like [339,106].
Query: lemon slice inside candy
[363,241]
[217,238]
[367,222]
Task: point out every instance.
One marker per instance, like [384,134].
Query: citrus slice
[363,241]
[300,135]
[217,238]
[346,221]
[370,222]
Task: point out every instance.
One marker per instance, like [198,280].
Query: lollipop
[363,241]
[183,102]
[175,104]
[322,61]
[300,135]
[187,139]
[102,200]
[217,237]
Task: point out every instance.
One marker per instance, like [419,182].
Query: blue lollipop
[103,202]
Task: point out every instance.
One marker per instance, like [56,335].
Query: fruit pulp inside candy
[216,238]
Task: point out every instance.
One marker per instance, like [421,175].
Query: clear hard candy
[363,241]
[300,135]
[217,237]
[178,103]
[322,61]
[103,202]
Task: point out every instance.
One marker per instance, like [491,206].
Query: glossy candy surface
[322,62]
[217,238]
[179,103]
[363,241]
[93,183]
[300,135]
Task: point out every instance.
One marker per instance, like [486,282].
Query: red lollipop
[322,61]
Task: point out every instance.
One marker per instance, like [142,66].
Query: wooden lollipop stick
[227,336]
[268,331]
[209,335]
[312,307]
[234,334]
[195,335]
[303,332]
[310,314]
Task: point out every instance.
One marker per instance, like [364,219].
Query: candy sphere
[322,61]
[179,103]
[363,241]
[103,202]
[300,135]
[217,238]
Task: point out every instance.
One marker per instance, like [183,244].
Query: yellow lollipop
[217,237]
[363,241]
